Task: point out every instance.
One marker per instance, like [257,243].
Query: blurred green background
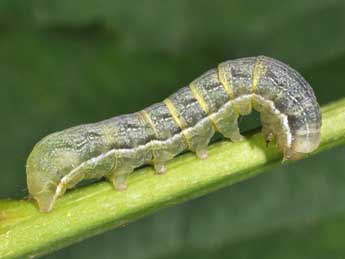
[64,62]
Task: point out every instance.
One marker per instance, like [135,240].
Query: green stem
[90,210]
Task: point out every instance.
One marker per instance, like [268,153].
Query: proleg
[186,120]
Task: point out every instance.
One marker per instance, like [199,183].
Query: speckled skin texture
[186,120]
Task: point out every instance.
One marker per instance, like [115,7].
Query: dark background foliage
[64,63]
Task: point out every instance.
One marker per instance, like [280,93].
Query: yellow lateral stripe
[203,104]
[174,113]
[149,120]
[258,70]
[222,79]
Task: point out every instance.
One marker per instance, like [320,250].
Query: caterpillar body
[187,119]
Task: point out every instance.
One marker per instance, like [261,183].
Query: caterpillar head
[50,160]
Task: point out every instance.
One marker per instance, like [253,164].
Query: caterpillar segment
[186,120]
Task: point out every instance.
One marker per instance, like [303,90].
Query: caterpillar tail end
[45,201]
[45,197]
[41,189]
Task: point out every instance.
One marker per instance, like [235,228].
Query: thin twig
[90,210]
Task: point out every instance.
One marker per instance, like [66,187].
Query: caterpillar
[186,120]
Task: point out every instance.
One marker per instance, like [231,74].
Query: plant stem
[90,210]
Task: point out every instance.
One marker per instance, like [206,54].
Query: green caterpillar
[185,120]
